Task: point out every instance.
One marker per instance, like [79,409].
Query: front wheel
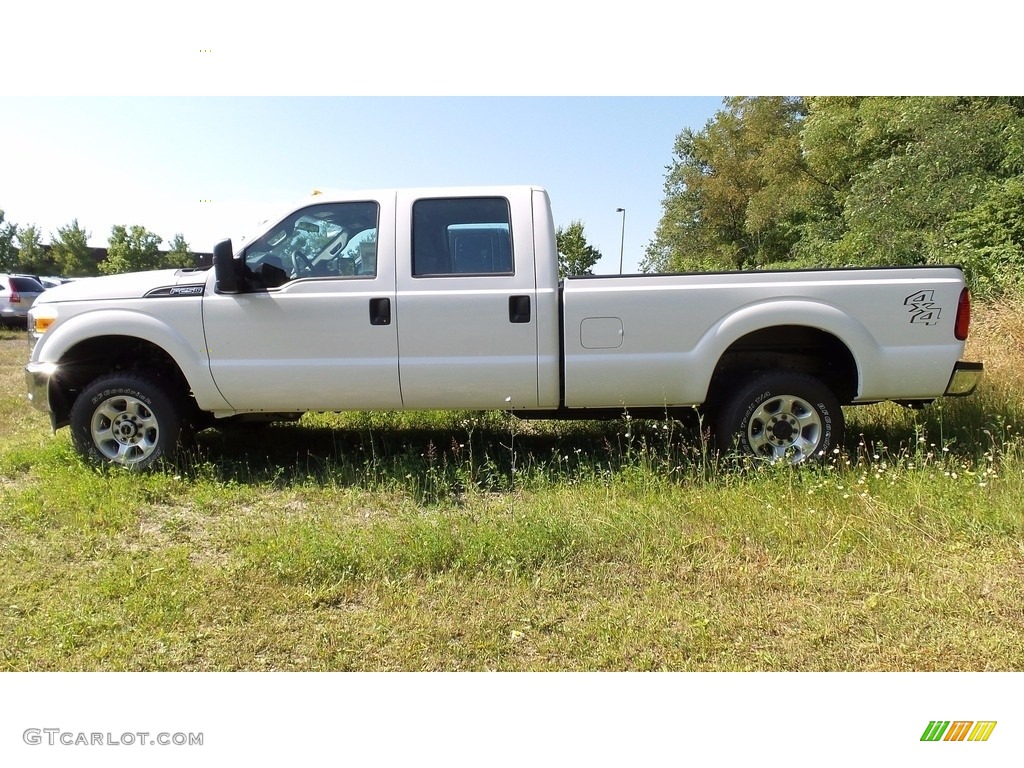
[126,419]
[781,416]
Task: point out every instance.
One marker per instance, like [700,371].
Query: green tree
[8,251]
[131,250]
[180,255]
[736,191]
[988,240]
[575,255]
[69,249]
[902,169]
[32,258]
[849,181]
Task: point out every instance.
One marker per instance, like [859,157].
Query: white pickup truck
[450,299]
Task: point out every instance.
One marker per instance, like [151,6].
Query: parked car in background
[17,294]
[49,281]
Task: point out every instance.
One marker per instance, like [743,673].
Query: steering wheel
[300,256]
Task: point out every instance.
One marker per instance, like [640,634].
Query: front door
[314,328]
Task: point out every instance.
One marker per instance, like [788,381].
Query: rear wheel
[126,419]
[781,416]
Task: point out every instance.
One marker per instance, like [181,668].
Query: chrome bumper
[965,378]
[37,381]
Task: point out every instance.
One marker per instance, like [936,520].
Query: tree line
[129,249]
[784,182]
[134,249]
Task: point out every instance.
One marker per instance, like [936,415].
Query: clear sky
[212,167]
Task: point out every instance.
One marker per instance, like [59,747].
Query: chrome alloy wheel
[125,430]
[785,427]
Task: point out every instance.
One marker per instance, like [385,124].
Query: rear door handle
[380,311]
[519,309]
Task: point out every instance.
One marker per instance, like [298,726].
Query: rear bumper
[965,378]
[14,316]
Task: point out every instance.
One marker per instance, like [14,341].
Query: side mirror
[225,267]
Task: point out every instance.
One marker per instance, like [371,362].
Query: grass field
[451,541]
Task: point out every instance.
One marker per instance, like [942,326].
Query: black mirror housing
[226,268]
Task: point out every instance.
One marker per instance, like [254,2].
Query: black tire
[127,420]
[779,415]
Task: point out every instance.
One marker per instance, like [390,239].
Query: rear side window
[461,236]
[26,285]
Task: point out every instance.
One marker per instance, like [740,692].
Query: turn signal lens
[42,319]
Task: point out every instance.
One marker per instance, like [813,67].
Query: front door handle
[380,311]
[519,309]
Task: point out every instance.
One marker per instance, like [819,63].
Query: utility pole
[622,242]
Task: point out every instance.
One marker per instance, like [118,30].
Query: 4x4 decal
[922,308]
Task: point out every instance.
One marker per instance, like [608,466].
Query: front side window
[461,236]
[324,240]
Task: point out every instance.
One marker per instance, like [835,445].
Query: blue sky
[212,167]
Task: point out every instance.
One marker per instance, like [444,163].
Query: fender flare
[787,311]
[129,323]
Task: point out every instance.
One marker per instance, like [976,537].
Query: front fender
[186,347]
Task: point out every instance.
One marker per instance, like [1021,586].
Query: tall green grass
[476,541]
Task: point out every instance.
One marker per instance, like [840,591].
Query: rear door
[467,300]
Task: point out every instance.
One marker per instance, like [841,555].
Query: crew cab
[449,298]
